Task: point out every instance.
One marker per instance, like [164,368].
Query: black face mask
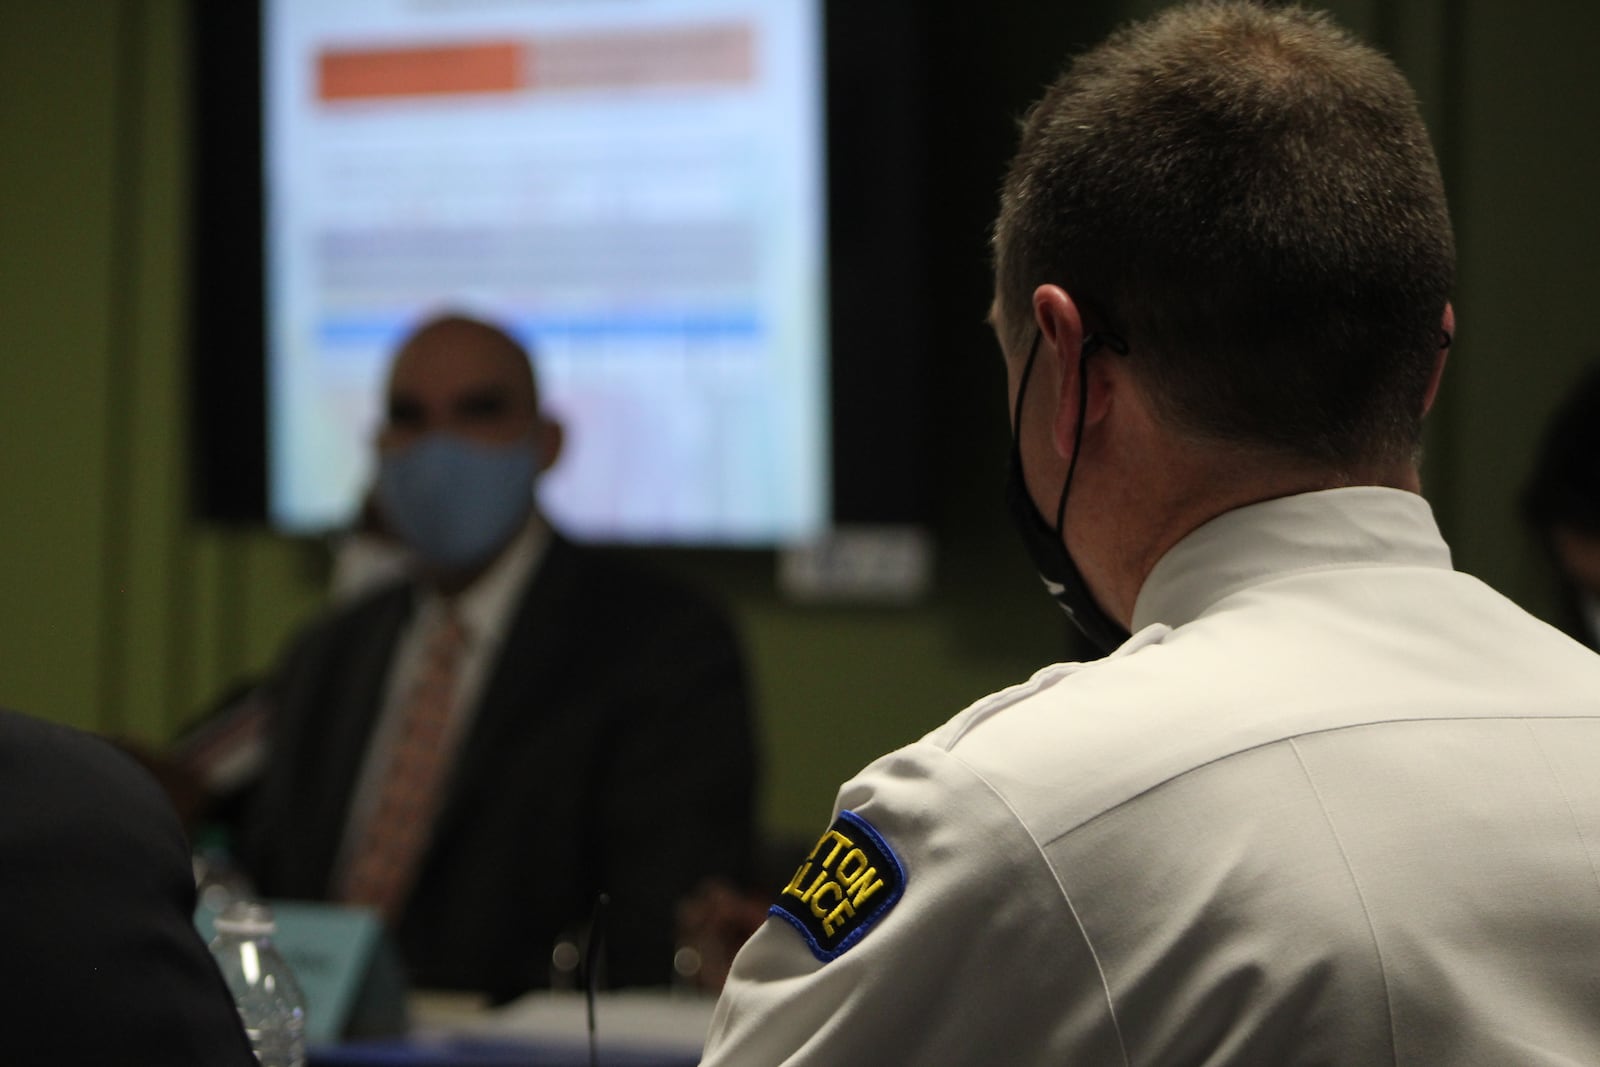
[1045,543]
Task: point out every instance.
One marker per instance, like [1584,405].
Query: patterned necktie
[384,863]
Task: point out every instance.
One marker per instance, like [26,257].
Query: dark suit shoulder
[96,911]
[382,609]
[624,589]
[86,785]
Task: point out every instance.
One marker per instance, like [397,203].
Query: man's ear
[1061,332]
[548,437]
[1447,337]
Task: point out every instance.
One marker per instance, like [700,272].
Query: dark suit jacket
[101,961]
[611,751]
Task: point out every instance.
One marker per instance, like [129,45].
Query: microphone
[594,950]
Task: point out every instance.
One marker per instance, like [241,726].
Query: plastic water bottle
[269,999]
[218,880]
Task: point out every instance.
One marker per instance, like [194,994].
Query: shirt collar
[1356,526]
[484,606]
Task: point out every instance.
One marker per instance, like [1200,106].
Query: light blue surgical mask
[457,502]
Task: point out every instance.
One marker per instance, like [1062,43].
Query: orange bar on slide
[355,74]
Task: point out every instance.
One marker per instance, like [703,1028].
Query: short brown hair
[1247,196]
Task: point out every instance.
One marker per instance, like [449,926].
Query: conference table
[634,1028]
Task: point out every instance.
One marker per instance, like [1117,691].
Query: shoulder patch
[850,881]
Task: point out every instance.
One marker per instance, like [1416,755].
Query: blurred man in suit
[479,752]
[1561,502]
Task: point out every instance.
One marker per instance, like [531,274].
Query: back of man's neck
[1204,483]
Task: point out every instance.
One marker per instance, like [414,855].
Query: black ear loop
[1022,386]
[1092,342]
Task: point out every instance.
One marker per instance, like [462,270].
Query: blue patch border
[877,913]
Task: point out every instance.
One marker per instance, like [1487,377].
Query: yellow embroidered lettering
[868,886]
[793,888]
[822,876]
[816,898]
[831,921]
[840,887]
[848,874]
[839,841]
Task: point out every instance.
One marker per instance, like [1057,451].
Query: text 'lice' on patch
[850,881]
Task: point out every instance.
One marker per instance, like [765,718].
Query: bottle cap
[246,917]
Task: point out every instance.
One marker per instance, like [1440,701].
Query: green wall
[127,615]
[135,614]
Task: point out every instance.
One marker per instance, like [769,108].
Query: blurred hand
[184,788]
[713,922]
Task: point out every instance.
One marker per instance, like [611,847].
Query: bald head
[463,376]
[467,378]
